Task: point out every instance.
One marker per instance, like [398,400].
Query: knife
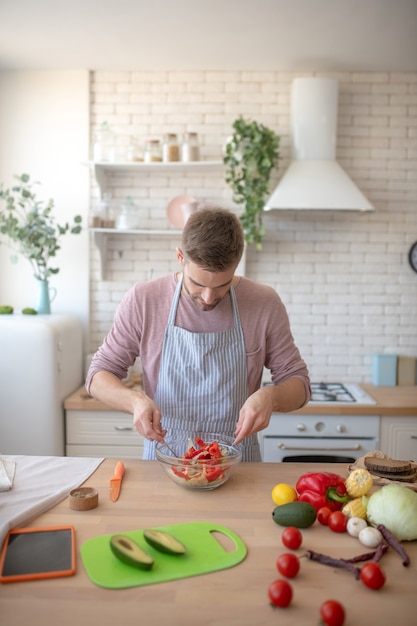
[116,481]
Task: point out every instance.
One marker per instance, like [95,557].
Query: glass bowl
[193,465]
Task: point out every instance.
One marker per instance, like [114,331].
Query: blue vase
[45,296]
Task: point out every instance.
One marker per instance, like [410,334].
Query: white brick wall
[344,277]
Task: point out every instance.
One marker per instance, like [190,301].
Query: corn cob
[358,483]
[356,508]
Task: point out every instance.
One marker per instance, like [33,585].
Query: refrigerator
[41,363]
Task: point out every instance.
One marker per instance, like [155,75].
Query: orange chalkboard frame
[37,553]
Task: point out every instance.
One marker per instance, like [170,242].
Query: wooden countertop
[231,597]
[390,401]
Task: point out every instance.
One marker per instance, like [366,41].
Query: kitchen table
[232,597]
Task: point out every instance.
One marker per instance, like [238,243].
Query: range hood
[314,180]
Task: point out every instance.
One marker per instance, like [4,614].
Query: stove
[338,393]
[332,436]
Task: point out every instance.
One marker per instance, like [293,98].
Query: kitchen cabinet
[102,433]
[103,172]
[93,429]
[399,437]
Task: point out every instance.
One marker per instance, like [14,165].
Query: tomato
[337,522]
[323,515]
[283,493]
[372,575]
[292,538]
[332,613]
[288,565]
[280,593]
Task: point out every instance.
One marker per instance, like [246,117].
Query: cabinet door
[399,437]
[104,428]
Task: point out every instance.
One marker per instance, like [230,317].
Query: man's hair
[213,239]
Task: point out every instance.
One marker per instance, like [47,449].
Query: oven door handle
[355,448]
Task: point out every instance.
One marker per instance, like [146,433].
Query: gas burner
[330,392]
[336,393]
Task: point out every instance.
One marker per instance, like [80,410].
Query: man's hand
[109,389]
[147,419]
[255,414]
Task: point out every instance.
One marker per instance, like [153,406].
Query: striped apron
[202,383]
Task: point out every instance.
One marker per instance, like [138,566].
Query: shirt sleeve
[121,346]
[268,337]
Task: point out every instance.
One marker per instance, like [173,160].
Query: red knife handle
[119,470]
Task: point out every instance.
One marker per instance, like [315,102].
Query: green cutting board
[204,554]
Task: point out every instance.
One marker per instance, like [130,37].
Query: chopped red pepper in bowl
[203,461]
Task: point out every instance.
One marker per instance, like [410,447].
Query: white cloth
[40,483]
[7,472]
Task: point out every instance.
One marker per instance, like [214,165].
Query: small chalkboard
[33,553]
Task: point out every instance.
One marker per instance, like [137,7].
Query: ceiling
[287,35]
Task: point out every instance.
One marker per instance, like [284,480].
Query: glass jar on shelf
[107,211]
[190,149]
[102,217]
[104,147]
[153,151]
[134,151]
[170,148]
[128,217]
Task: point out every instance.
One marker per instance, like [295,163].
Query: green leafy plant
[250,156]
[32,227]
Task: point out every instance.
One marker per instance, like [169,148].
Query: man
[204,336]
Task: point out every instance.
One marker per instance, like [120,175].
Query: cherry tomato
[323,515]
[337,522]
[280,593]
[292,538]
[288,565]
[372,575]
[332,613]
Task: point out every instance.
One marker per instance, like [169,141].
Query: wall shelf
[103,168]
[102,235]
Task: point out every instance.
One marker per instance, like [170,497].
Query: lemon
[283,494]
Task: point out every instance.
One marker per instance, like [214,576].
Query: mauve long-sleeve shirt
[141,317]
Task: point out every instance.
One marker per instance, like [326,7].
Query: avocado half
[164,542]
[128,551]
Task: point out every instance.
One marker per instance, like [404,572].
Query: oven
[322,437]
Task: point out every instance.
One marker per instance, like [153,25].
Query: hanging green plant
[251,154]
[31,226]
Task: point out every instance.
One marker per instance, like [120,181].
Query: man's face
[206,289]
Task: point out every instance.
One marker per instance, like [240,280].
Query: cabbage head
[395,507]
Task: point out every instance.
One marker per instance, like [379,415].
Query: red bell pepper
[213,473]
[214,450]
[191,452]
[180,473]
[322,489]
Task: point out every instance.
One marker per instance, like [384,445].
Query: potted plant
[251,153]
[31,226]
